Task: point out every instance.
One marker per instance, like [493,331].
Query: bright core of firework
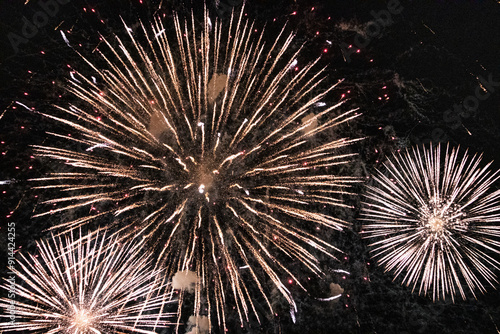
[82,320]
[435,221]
[213,147]
[439,216]
[90,285]
[436,224]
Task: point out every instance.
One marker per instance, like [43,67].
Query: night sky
[414,75]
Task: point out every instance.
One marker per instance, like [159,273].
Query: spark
[432,31]
[23,105]
[341,271]
[72,75]
[96,146]
[65,38]
[329,298]
[292,315]
[159,33]
[434,219]
[206,166]
[82,286]
[209,21]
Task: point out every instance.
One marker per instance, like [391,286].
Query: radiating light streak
[329,298]
[206,179]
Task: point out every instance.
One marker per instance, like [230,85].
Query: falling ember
[80,286]
[434,221]
[210,137]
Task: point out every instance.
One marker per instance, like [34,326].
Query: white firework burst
[435,221]
[88,285]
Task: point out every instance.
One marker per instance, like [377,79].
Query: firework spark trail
[435,221]
[200,148]
[92,284]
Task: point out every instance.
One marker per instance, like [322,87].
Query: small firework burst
[83,286]
[212,145]
[435,221]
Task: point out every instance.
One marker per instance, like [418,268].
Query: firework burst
[212,145]
[88,285]
[435,221]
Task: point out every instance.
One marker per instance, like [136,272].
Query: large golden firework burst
[215,147]
[434,220]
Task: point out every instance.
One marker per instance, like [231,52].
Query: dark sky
[430,59]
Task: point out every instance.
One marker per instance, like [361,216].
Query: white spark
[65,39]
